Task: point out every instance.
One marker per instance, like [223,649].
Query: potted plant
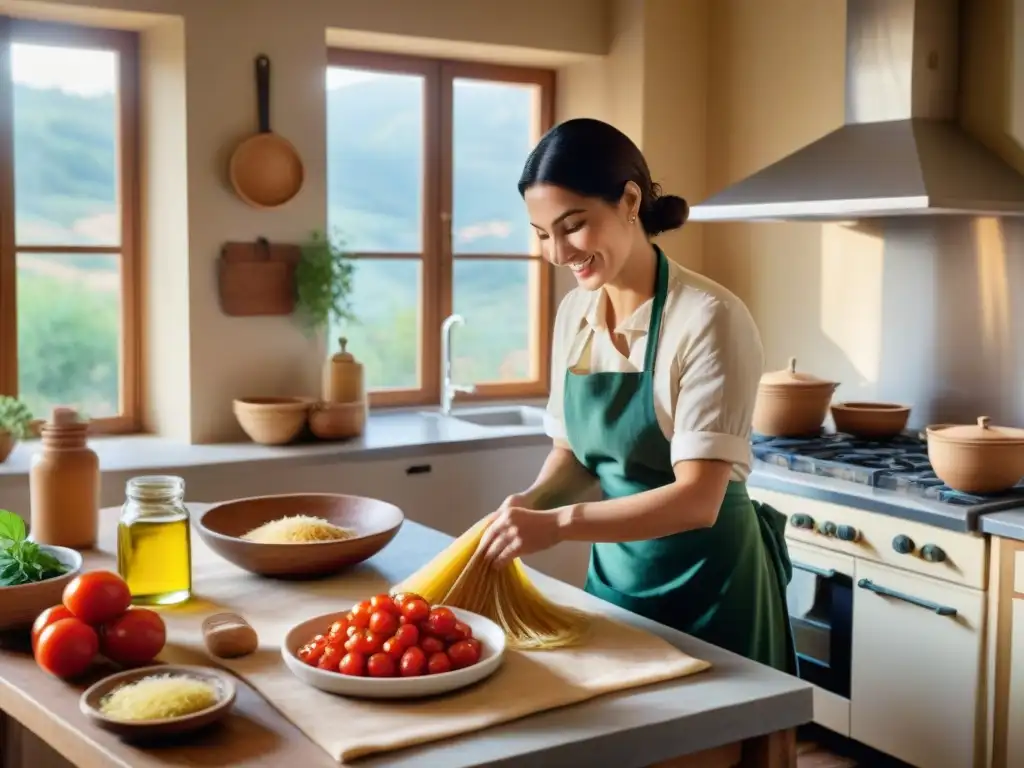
[323,282]
[15,424]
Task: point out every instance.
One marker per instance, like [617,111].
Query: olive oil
[154,552]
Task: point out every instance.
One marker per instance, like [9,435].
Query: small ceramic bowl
[870,420]
[374,522]
[20,605]
[273,420]
[91,700]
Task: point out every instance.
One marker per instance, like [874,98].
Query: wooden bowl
[872,420]
[273,420]
[89,703]
[338,421]
[20,605]
[375,522]
[7,443]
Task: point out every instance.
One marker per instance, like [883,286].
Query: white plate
[492,641]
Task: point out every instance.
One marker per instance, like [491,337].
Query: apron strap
[657,307]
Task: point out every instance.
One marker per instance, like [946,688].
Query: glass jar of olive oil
[154,549]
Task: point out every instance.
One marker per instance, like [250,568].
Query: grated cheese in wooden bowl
[299,529]
[159,697]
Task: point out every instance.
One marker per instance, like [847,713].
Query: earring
[632,219]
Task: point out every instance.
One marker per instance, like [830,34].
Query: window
[423,160]
[68,297]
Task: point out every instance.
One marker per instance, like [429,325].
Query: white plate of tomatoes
[394,647]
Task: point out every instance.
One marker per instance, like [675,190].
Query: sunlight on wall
[993,293]
[852,272]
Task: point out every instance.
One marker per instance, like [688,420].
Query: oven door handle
[825,573]
[942,610]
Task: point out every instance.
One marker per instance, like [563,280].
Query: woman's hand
[517,531]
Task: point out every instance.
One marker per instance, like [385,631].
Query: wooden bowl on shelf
[338,421]
[374,522]
[273,420]
[870,420]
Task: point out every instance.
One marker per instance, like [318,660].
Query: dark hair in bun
[595,159]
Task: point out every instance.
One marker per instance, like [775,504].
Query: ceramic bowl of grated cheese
[301,535]
[161,700]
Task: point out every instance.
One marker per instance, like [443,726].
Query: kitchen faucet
[448,388]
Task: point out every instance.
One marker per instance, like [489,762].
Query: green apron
[725,584]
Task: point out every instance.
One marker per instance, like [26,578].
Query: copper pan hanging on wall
[266,170]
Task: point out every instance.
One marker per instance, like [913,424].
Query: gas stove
[898,464]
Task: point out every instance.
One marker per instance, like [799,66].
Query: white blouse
[708,365]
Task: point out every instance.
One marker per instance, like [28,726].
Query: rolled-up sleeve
[562,337]
[719,369]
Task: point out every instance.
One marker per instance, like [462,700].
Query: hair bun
[668,212]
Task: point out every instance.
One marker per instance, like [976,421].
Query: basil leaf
[12,527]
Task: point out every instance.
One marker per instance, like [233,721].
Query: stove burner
[899,464]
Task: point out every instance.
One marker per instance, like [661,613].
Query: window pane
[385,336]
[498,300]
[65,146]
[375,159]
[69,329]
[494,127]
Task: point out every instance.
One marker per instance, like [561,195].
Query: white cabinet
[916,670]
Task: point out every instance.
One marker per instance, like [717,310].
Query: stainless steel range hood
[901,151]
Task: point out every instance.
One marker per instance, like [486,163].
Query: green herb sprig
[323,282]
[23,561]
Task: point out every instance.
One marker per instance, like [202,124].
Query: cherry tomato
[416,609]
[393,648]
[97,596]
[313,650]
[431,644]
[46,618]
[441,621]
[413,663]
[381,665]
[135,637]
[384,603]
[365,642]
[463,653]
[402,597]
[360,614]
[461,632]
[438,663]
[384,622]
[407,635]
[353,664]
[339,628]
[67,647]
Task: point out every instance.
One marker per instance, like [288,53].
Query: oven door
[820,599]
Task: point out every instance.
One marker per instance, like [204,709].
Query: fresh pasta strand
[461,578]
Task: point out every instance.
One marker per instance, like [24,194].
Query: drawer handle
[418,469]
[942,610]
[825,573]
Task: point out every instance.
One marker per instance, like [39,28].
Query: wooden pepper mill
[343,377]
[64,484]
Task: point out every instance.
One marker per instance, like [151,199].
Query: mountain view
[66,192]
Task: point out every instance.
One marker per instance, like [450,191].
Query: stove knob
[848,533]
[903,544]
[828,528]
[802,521]
[933,553]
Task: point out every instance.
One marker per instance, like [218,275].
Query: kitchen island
[736,713]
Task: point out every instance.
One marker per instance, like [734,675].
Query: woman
[654,374]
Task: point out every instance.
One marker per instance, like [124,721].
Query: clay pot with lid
[976,458]
[343,377]
[791,403]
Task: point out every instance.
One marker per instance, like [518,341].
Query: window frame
[126,45]
[436,258]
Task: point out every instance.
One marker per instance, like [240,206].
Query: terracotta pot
[791,403]
[871,420]
[980,458]
[273,420]
[7,443]
[338,421]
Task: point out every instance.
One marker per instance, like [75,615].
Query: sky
[82,71]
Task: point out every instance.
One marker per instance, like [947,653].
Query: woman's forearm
[561,480]
[691,502]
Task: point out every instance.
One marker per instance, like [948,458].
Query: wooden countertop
[735,700]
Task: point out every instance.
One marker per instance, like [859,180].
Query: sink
[501,416]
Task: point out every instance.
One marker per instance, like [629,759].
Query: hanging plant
[15,418]
[323,282]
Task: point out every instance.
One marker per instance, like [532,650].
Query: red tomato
[97,596]
[365,642]
[402,597]
[384,603]
[413,663]
[464,653]
[360,614]
[461,632]
[67,647]
[313,650]
[441,621]
[407,635]
[393,648]
[438,663]
[353,664]
[135,637]
[415,609]
[384,622]
[339,628]
[46,618]
[381,665]
[431,644]
[331,658]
